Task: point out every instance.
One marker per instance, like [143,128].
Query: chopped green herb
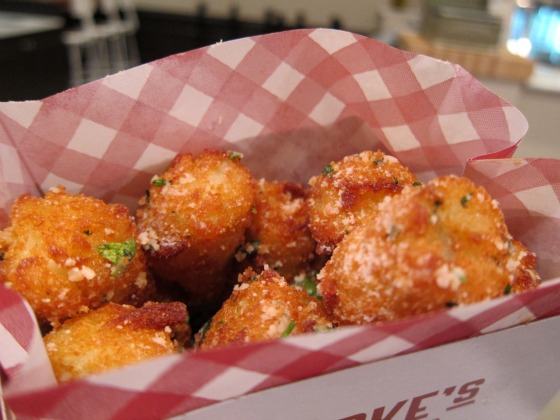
[289,329]
[379,161]
[87,232]
[510,246]
[417,183]
[118,253]
[465,199]
[507,289]
[328,171]
[159,182]
[308,284]
[205,327]
[253,210]
[235,155]
[396,180]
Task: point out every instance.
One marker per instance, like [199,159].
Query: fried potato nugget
[279,234]
[113,336]
[429,248]
[68,253]
[263,307]
[192,221]
[349,191]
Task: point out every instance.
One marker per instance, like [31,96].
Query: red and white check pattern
[291,102]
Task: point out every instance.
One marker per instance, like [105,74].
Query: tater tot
[193,219]
[68,253]
[113,336]
[279,235]
[429,248]
[263,307]
[348,192]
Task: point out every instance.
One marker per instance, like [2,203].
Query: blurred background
[512,46]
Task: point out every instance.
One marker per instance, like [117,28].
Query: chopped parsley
[289,329]
[235,155]
[507,289]
[204,329]
[308,284]
[379,161]
[159,182]
[417,183]
[328,171]
[396,180]
[465,199]
[119,254]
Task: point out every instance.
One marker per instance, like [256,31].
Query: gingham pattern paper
[528,191]
[291,102]
[173,385]
[17,327]
[284,96]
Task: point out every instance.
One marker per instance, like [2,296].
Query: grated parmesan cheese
[78,274]
[447,278]
[159,340]
[142,280]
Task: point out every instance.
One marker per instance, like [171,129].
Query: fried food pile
[263,307]
[431,247]
[67,254]
[113,336]
[348,192]
[214,257]
[193,219]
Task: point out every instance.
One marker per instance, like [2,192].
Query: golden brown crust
[348,192]
[154,315]
[429,248]
[279,234]
[194,218]
[52,255]
[263,308]
[524,262]
[113,336]
[400,249]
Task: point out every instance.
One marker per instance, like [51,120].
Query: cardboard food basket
[291,102]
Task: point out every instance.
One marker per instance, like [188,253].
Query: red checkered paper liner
[290,102]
